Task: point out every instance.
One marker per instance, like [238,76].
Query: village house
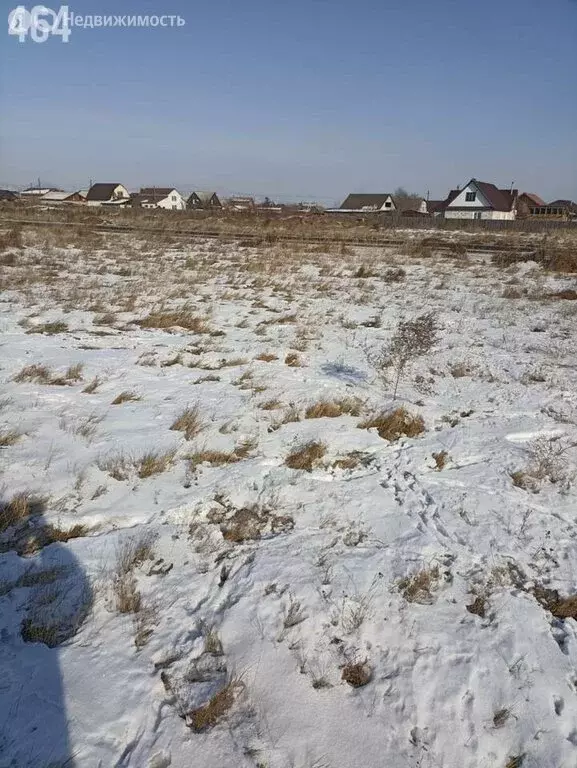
[107,194]
[526,201]
[204,201]
[167,198]
[562,210]
[481,200]
[382,202]
[62,197]
[241,203]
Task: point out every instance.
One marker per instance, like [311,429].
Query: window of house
[174,198]
[470,197]
[477,214]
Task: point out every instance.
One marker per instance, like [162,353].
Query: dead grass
[392,425]
[9,437]
[182,318]
[266,357]
[126,396]
[293,360]
[38,538]
[189,422]
[307,456]
[35,373]
[334,408]
[20,508]
[206,717]
[252,522]
[441,458]
[49,329]
[131,554]
[154,463]
[357,674]
[92,386]
[420,587]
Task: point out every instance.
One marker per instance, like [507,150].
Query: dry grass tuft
[357,674]
[293,360]
[334,408]
[266,357]
[154,463]
[49,329]
[93,385]
[419,587]
[20,508]
[35,373]
[189,422]
[130,555]
[206,717]
[441,458]
[392,425]
[126,396]
[182,318]
[9,437]
[307,456]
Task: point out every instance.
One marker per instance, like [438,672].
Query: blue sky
[306,99]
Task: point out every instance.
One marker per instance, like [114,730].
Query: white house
[481,200]
[107,194]
[159,197]
[369,203]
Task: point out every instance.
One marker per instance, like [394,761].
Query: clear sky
[307,99]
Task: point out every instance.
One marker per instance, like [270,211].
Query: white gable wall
[173,202]
[461,200]
[474,207]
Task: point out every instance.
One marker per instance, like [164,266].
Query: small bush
[392,425]
[306,457]
[266,357]
[293,360]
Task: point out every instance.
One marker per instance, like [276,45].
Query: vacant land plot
[233,545]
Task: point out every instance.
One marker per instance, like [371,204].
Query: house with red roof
[480,200]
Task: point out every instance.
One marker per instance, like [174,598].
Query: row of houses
[113,193]
[476,200]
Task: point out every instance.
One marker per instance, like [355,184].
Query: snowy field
[223,544]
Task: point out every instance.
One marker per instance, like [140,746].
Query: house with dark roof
[481,200]
[168,198]
[8,196]
[526,201]
[383,202]
[107,194]
[204,201]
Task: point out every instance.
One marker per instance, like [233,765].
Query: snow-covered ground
[422,579]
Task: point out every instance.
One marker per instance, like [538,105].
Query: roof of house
[58,196]
[7,194]
[533,198]
[102,191]
[358,201]
[563,204]
[204,196]
[159,192]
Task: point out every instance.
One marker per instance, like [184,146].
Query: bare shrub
[441,458]
[293,360]
[266,357]
[92,385]
[412,339]
[548,461]
[391,425]
[307,456]
[189,422]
